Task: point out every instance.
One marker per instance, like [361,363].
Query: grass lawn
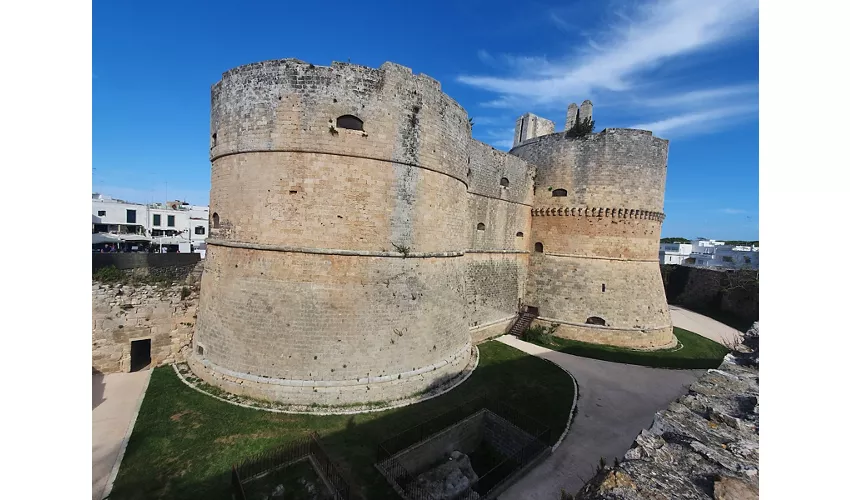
[695,351]
[184,442]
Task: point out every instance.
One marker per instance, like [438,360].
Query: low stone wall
[483,333]
[161,266]
[122,313]
[647,339]
[703,446]
[728,293]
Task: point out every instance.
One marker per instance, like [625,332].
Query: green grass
[185,442]
[695,351]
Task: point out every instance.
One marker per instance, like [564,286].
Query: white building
[709,253]
[674,253]
[172,226]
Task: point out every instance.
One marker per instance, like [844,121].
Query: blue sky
[685,69]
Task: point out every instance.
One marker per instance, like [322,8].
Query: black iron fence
[487,482]
[429,427]
[288,454]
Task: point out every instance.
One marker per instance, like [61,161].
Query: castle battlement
[361,234]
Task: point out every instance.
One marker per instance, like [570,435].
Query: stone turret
[529,126]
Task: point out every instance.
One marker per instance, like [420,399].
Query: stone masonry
[704,446]
[122,313]
[361,240]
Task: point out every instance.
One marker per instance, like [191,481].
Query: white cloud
[613,63]
[699,121]
[696,97]
[733,211]
[658,31]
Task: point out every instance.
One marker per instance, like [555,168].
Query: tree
[582,128]
[676,239]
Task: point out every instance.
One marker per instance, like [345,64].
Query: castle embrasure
[361,241]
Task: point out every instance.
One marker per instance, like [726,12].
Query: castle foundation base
[386,391]
[648,339]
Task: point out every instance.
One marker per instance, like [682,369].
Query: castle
[362,242]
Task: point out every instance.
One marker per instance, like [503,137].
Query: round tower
[332,271]
[596,224]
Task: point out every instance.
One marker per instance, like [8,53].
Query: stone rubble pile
[705,445]
[449,479]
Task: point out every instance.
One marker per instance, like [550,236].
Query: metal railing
[487,482]
[283,456]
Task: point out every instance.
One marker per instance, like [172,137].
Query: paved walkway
[703,325]
[115,402]
[615,402]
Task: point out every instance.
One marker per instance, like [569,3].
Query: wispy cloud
[733,211]
[699,121]
[615,62]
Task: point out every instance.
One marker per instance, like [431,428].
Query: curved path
[616,401]
[703,325]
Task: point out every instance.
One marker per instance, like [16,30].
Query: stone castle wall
[122,313]
[597,214]
[338,257]
[341,260]
[499,220]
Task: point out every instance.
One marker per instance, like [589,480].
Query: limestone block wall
[122,313]
[596,223]
[499,222]
[336,263]
[614,169]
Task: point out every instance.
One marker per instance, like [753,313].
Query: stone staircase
[522,323]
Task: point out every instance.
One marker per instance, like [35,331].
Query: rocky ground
[704,446]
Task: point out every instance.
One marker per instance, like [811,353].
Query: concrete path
[703,325]
[615,402]
[115,403]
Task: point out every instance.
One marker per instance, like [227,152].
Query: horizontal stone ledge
[209,365]
[331,251]
[624,259]
[492,323]
[215,156]
[498,251]
[500,199]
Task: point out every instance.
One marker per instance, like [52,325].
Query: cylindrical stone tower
[596,223]
[333,271]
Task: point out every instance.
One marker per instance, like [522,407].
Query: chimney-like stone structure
[576,114]
[572,115]
[586,110]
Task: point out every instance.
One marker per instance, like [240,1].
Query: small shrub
[565,495]
[582,128]
[185,292]
[539,335]
[108,274]
[404,250]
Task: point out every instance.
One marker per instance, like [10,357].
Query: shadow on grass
[695,352]
[185,442]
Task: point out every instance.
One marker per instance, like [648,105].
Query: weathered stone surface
[703,446]
[122,313]
[360,232]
